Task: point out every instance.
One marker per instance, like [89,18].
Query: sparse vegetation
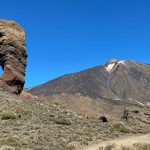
[120,127]
[11,141]
[107,147]
[140,146]
[63,120]
[5,115]
[39,124]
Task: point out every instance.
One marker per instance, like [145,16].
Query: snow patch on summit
[111,65]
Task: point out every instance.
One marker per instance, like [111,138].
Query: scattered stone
[103,119]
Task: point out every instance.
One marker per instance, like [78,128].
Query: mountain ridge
[118,80]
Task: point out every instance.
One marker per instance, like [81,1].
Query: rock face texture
[12,56]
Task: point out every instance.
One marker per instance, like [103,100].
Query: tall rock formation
[12,56]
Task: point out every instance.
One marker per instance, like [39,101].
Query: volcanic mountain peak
[126,81]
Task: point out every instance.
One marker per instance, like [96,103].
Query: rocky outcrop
[12,56]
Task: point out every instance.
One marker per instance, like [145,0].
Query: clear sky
[65,36]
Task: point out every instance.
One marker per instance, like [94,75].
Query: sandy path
[122,141]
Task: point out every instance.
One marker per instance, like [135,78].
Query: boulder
[12,56]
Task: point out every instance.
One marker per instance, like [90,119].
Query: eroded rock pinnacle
[12,56]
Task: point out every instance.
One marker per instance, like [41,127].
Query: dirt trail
[122,141]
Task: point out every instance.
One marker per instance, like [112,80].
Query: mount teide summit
[126,81]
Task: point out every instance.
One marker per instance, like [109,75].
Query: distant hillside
[116,80]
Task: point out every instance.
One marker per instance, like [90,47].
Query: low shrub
[120,127]
[63,120]
[107,147]
[140,146]
[8,115]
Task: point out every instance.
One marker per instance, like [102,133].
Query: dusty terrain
[118,92]
[87,106]
[125,141]
[36,124]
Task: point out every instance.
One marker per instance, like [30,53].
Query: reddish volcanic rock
[12,56]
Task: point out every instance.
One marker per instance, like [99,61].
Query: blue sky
[65,36]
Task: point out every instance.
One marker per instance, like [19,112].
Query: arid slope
[125,81]
[36,124]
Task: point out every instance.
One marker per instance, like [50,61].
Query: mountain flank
[116,82]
